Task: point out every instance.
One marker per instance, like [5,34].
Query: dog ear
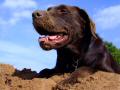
[89,24]
[93,28]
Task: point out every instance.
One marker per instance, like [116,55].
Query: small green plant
[114,51]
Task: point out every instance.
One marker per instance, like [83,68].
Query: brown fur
[83,48]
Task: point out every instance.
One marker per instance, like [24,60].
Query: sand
[13,79]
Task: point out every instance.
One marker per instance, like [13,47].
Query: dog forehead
[57,7]
[62,6]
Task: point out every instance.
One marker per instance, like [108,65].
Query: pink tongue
[52,37]
[45,39]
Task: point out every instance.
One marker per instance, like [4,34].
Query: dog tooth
[42,36]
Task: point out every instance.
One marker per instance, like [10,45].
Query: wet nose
[38,14]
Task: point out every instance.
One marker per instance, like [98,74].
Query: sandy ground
[12,79]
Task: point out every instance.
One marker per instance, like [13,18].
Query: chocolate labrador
[70,31]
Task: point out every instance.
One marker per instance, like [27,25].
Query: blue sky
[19,41]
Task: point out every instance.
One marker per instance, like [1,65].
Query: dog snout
[38,14]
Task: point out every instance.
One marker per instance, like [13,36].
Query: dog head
[62,25]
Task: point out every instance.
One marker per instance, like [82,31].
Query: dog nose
[38,14]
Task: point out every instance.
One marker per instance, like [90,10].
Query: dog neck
[74,54]
[81,46]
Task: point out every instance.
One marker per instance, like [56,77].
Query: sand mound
[12,79]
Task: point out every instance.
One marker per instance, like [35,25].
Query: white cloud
[18,10]
[17,16]
[12,48]
[12,4]
[108,18]
[19,56]
[25,56]
[20,62]
[24,14]
[11,21]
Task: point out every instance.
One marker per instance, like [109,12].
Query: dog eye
[49,8]
[63,11]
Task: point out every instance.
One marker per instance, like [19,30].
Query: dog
[70,31]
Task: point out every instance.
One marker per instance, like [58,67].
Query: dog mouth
[52,39]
